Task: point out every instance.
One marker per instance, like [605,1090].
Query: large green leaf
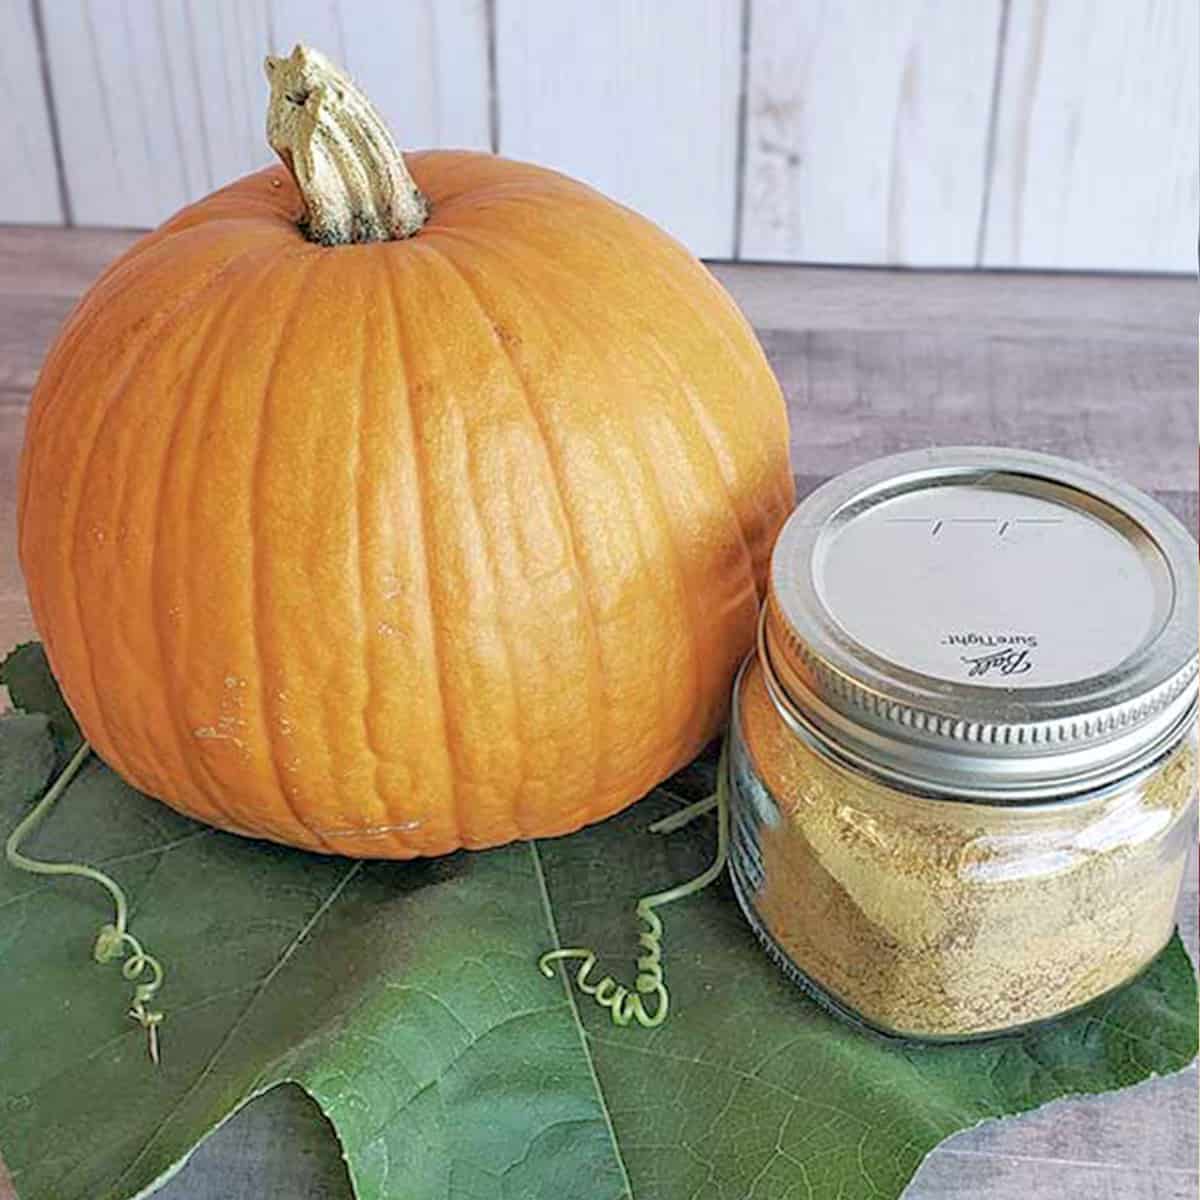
[405,999]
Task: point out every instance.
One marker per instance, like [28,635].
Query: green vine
[113,939]
[627,1005]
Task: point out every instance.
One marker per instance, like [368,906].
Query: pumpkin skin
[390,549]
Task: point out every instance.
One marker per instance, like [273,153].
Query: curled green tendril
[113,939]
[624,1004]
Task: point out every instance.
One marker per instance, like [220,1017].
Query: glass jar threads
[963,759]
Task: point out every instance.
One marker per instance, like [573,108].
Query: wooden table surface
[1099,368]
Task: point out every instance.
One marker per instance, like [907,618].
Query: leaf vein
[556,944]
[291,949]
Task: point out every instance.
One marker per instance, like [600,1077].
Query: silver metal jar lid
[984,623]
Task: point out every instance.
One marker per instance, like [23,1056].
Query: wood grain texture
[16,623]
[1103,370]
[639,100]
[27,324]
[867,129]
[860,396]
[150,109]
[1098,122]
[1015,306]
[161,103]
[29,179]
[423,63]
[945,1176]
[56,262]
[1013,133]
[871,361]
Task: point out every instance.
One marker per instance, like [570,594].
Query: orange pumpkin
[388,547]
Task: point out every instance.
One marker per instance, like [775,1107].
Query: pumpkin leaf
[404,998]
[32,689]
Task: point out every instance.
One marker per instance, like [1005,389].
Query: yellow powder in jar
[936,918]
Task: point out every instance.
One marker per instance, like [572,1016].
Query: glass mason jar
[962,767]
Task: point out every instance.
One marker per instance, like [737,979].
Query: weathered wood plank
[278,1145]
[988,1177]
[161,104]
[1060,135]
[867,131]
[127,121]
[29,192]
[56,262]
[640,100]
[27,327]
[1098,121]
[16,623]
[856,396]
[1002,304]
[226,42]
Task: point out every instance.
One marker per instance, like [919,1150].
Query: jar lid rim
[1062,656]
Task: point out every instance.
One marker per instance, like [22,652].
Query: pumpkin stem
[113,939]
[351,176]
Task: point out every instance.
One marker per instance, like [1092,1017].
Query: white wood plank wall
[1096,147]
[994,133]
[29,185]
[638,99]
[866,133]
